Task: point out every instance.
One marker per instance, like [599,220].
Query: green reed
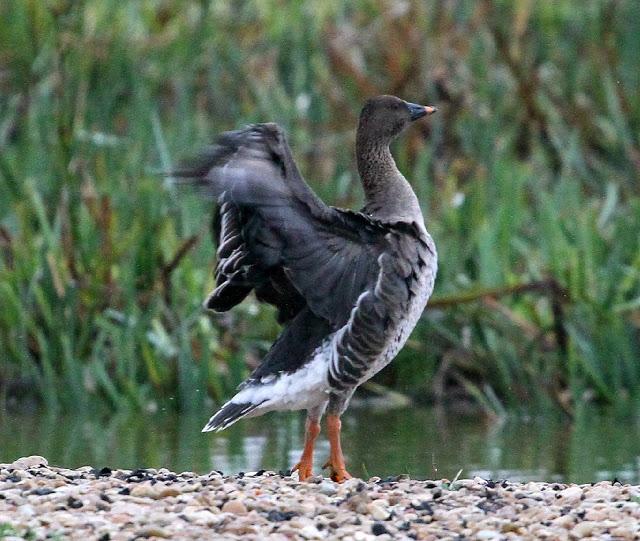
[528,176]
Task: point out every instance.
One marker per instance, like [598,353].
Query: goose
[348,286]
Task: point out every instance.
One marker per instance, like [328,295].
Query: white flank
[306,387]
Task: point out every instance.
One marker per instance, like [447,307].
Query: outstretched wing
[276,237]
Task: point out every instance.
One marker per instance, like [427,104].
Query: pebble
[153,532]
[584,529]
[49,502]
[234,506]
[310,532]
[378,510]
[571,495]
[203,517]
[487,535]
[307,508]
[27,510]
[623,532]
[28,462]
[361,536]
[144,490]
[327,488]
[169,492]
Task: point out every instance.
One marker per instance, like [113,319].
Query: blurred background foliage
[528,175]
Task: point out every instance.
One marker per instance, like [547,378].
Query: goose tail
[229,414]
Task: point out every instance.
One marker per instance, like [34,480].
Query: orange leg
[339,471]
[305,466]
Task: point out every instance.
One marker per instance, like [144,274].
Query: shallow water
[423,443]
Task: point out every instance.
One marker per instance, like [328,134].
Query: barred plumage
[382,318]
[349,286]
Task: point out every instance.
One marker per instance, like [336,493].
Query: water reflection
[419,442]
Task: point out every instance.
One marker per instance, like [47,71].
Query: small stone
[565,521]
[596,515]
[422,505]
[26,510]
[378,510]
[194,487]
[119,518]
[310,532]
[43,491]
[583,529]
[28,462]
[379,529]
[352,484]
[362,536]
[622,532]
[571,495]
[301,522]
[359,503]
[159,519]
[74,503]
[169,492]
[328,488]
[487,535]
[279,516]
[235,507]
[306,508]
[153,532]
[240,530]
[511,527]
[144,490]
[202,517]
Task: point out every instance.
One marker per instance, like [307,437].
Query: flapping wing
[275,236]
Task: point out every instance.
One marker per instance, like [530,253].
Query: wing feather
[271,223]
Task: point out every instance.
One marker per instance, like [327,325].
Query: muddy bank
[38,501]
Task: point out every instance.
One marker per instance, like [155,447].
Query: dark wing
[293,348]
[276,237]
[238,271]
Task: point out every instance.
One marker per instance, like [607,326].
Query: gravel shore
[39,501]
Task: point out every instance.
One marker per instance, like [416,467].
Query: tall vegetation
[529,176]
